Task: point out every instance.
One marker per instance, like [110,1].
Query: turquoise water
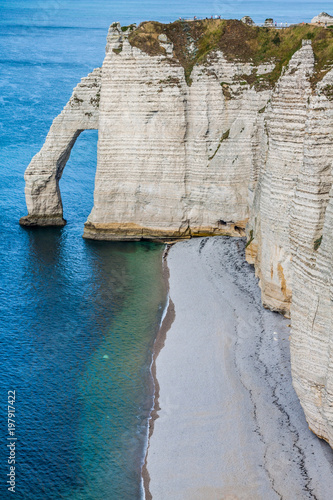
[78,318]
[76,347]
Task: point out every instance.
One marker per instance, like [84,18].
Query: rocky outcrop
[45,170]
[311,232]
[230,142]
[161,147]
[269,242]
[291,231]
[248,20]
[323,18]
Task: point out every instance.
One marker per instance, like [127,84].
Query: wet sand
[227,423]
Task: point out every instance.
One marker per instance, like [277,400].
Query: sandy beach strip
[227,423]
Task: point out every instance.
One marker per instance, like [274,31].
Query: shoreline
[226,421]
[166,322]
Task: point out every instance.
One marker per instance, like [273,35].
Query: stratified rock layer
[209,155]
[290,231]
[45,170]
[285,119]
[312,252]
[174,160]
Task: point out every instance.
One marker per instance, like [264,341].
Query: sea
[78,318]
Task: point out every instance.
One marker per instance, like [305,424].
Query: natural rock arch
[45,170]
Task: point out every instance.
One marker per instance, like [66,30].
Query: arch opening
[42,191]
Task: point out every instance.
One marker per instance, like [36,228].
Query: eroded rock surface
[194,149]
[162,144]
[42,177]
[311,233]
[284,134]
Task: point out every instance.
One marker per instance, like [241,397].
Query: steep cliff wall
[284,130]
[291,230]
[173,160]
[311,231]
[210,128]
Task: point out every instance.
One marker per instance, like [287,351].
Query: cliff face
[162,144]
[291,230]
[202,132]
[269,229]
[311,233]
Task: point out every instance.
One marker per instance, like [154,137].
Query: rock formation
[247,20]
[323,18]
[290,231]
[45,170]
[311,234]
[209,128]
[167,138]
[270,248]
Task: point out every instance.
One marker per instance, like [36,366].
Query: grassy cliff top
[194,40]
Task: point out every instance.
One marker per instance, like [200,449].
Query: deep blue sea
[78,318]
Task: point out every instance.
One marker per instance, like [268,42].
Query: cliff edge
[216,127]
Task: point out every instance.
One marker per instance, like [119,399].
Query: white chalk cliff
[214,155]
[45,170]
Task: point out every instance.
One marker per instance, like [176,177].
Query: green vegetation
[317,243]
[237,41]
[251,239]
[131,27]
[117,51]
[224,137]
